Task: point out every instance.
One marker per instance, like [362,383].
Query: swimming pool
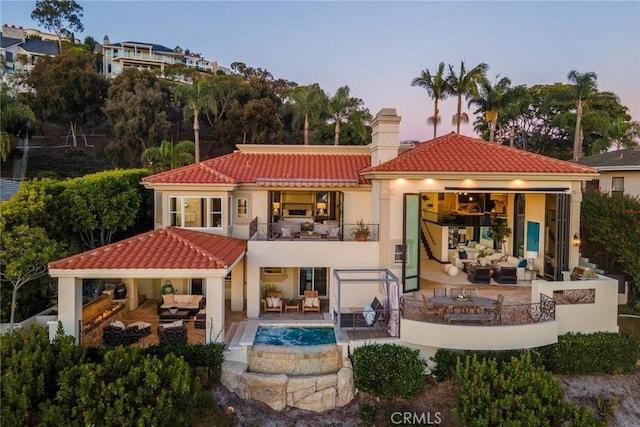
[294,335]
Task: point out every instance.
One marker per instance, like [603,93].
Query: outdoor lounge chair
[311,301]
[172,333]
[366,318]
[117,333]
[273,302]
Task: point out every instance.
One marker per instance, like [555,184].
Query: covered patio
[194,262]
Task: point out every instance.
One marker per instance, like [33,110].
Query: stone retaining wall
[313,392]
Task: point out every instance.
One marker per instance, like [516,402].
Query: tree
[309,103]
[584,86]
[623,133]
[197,99]
[491,99]
[437,88]
[24,254]
[67,89]
[15,118]
[168,155]
[464,84]
[138,110]
[258,122]
[59,16]
[100,204]
[342,107]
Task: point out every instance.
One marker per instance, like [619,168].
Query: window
[195,212]
[398,253]
[9,56]
[617,185]
[313,278]
[594,184]
[196,286]
[242,208]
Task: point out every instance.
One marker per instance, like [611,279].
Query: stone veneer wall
[311,392]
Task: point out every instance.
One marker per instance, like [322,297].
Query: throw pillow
[168,299]
[275,302]
[117,324]
[334,232]
[176,324]
[522,263]
[316,302]
[308,302]
[472,245]
[286,232]
[369,314]
[462,254]
[269,302]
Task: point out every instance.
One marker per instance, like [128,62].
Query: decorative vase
[482,262]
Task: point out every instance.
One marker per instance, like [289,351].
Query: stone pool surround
[311,392]
[315,378]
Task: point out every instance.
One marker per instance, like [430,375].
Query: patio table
[474,304]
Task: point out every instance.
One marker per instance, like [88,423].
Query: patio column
[253,291]
[237,287]
[70,305]
[214,309]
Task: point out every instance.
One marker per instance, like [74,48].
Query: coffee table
[292,307]
[167,316]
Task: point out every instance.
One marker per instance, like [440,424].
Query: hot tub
[302,350]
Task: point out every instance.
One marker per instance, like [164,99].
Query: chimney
[105,41]
[385,136]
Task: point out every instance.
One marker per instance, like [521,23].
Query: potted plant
[360,231]
[480,257]
[499,233]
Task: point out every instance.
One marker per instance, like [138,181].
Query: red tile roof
[458,153]
[168,248]
[265,168]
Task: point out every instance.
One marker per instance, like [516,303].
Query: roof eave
[483,175]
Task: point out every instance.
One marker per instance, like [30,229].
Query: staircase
[424,232]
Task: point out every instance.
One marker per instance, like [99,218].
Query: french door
[313,279]
[411,243]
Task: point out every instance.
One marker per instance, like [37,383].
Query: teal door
[410,243]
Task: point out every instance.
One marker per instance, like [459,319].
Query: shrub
[598,353]
[368,412]
[209,356]
[388,370]
[517,394]
[445,360]
[127,386]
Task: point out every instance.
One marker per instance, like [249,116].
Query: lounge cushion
[369,314]
[167,299]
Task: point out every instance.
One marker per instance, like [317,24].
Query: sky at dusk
[377,48]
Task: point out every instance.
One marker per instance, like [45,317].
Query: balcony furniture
[439,292]
[170,316]
[361,317]
[116,333]
[192,303]
[200,321]
[310,235]
[172,333]
[505,275]
[273,302]
[311,301]
[496,310]
[479,274]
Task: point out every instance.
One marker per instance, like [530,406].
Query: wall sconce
[576,240]
[276,208]
[321,208]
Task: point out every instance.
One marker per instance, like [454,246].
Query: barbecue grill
[583,273]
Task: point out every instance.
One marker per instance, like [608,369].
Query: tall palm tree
[309,103]
[465,83]
[168,156]
[437,88]
[197,99]
[340,106]
[584,86]
[490,99]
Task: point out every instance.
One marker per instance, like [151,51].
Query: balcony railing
[311,232]
[516,314]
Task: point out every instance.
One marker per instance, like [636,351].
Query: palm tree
[491,99]
[465,84]
[584,86]
[169,156]
[197,99]
[437,88]
[340,106]
[309,103]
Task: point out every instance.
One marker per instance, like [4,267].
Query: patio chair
[472,292]
[311,301]
[497,309]
[172,333]
[117,333]
[456,291]
[439,292]
[273,302]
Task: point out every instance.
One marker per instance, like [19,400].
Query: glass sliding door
[313,278]
[518,226]
[411,243]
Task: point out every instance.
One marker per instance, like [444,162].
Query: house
[619,171]
[149,56]
[20,48]
[284,216]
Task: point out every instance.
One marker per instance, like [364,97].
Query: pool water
[294,336]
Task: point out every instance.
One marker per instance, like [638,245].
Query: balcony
[312,231]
